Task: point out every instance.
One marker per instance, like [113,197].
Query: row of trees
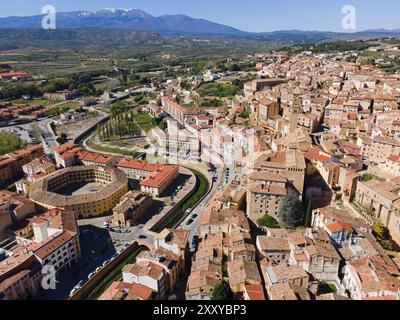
[120,126]
[12,91]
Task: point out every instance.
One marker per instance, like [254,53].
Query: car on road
[189,222]
[194,216]
[110,230]
[142,236]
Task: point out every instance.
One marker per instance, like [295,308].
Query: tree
[268,222]
[291,212]
[222,292]
[63,138]
[382,234]
[10,141]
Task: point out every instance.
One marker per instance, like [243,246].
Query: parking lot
[25,134]
[97,249]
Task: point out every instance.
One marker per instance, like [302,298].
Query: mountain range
[125,19]
[136,19]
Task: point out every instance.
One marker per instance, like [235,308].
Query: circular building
[88,191]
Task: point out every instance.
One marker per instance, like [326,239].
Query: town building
[61,190]
[155,178]
[130,209]
[11,163]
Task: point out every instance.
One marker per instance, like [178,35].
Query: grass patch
[268,222]
[70,105]
[368,177]
[106,149]
[218,90]
[145,121]
[114,275]
[357,207]
[34,102]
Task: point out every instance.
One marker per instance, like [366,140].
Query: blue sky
[247,15]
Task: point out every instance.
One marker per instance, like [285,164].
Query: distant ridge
[136,19]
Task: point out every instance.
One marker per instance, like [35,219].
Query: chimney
[40,230]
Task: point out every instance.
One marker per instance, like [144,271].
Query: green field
[145,121]
[35,102]
[106,149]
[218,90]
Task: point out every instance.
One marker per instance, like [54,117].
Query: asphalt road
[196,213]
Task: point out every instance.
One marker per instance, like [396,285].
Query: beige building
[290,164]
[13,208]
[130,209]
[274,248]
[280,281]
[382,201]
[264,193]
[391,166]
[242,273]
[11,163]
[369,279]
[309,122]
[380,148]
[107,186]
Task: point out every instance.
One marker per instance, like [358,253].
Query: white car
[73,291]
[91,275]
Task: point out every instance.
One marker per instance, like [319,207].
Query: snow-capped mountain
[125,19]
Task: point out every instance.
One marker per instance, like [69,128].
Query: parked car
[91,275]
[105,263]
[142,236]
[73,291]
[189,222]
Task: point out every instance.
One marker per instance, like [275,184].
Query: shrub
[268,222]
